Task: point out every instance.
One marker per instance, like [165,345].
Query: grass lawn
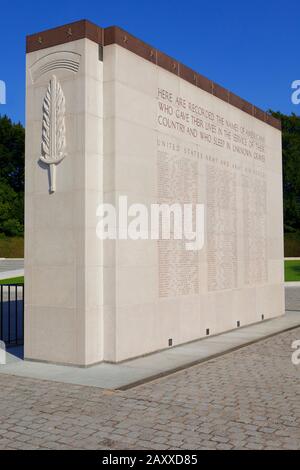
[292,270]
[13,280]
[292,244]
[11,247]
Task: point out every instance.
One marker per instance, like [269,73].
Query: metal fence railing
[12,314]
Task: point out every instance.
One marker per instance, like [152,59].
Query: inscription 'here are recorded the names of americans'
[234,196]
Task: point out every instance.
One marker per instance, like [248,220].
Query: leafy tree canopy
[291,169]
[12,143]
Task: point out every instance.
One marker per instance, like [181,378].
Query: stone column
[64,160]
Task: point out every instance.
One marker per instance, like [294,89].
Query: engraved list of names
[232,159]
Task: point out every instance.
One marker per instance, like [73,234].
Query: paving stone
[248,399]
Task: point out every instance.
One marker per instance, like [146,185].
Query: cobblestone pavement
[247,399]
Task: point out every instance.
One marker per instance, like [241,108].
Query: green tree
[11,210]
[291,169]
[12,143]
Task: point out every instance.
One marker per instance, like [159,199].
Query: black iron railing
[12,314]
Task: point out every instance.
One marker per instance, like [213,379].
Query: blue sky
[250,47]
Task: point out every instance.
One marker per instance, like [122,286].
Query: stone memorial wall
[138,123]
